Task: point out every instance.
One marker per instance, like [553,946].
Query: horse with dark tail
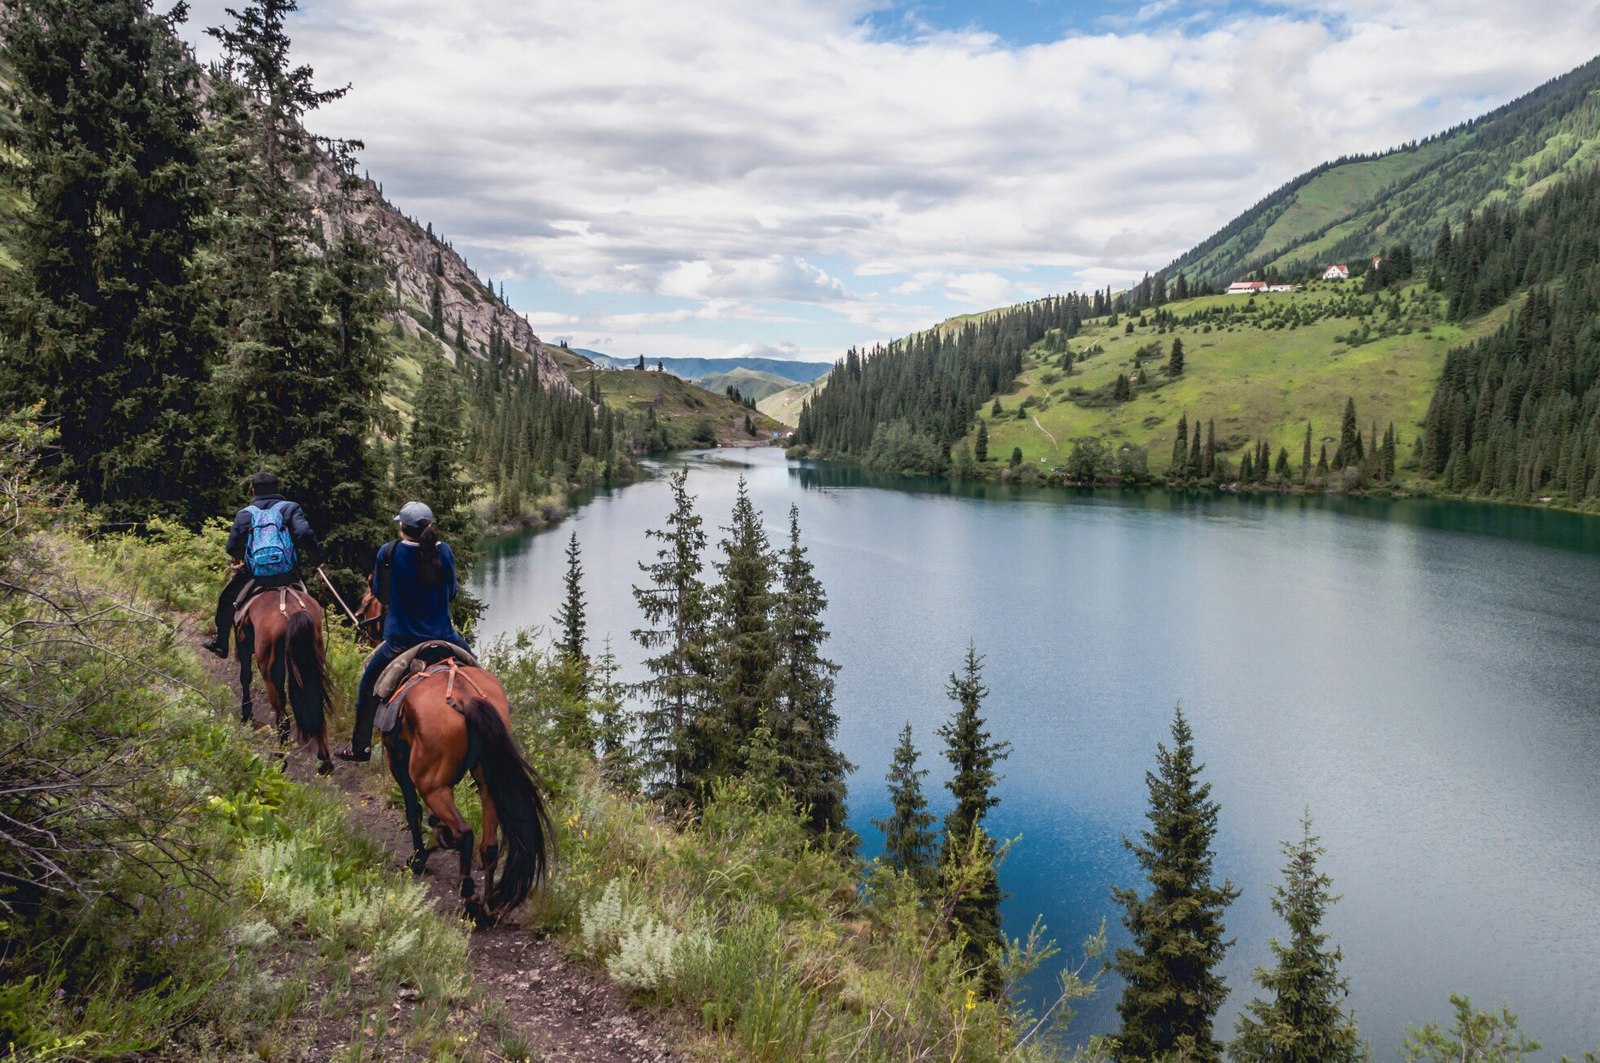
[283,628]
[455,720]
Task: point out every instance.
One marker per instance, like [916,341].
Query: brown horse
[455,719]
[282,630]
[369,618]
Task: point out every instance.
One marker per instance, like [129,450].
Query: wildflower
[972,999]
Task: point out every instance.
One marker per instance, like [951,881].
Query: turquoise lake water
[1424,676]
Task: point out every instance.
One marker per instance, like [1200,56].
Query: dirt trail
[561,1010]
[1045,430]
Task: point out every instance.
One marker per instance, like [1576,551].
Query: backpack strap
[383,574]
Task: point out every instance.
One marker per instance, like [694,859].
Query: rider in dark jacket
[422,583]
[264,492]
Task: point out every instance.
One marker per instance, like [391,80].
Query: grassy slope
[784,406]
[750,382]
[682,407]
[1253,381]
[1353,208]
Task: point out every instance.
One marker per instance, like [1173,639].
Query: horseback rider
[266,543]
[421,582]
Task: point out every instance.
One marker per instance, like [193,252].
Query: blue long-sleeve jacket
[417,612]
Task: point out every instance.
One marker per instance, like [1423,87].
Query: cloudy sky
[788,177]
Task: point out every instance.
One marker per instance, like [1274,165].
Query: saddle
[241,605]
[406,670]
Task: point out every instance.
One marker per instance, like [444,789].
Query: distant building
[1280,287]
[1246,287]
[1377,260]
[1336,273]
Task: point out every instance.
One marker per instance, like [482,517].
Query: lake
[1423,676]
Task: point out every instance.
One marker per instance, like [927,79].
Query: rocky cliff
[412,255]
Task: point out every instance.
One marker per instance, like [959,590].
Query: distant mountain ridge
[695,368]
[1353,207]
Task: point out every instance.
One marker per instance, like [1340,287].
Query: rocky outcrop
[413,255]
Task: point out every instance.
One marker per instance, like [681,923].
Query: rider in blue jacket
[264,496]
[422,583]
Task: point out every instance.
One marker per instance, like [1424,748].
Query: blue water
[1423,676]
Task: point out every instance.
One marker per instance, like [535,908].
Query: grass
[690,415]
[784,406]
[1256,377]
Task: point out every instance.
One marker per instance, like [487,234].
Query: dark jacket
[305,540]
[418,611]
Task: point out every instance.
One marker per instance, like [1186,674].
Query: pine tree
[908,840]
[980,449]
[746,651]
[675,603]
[1349,450]
[1302,1019]
[1180,449]
[1208,462]
[305,355]
[571,619]
[1305,455]
[967,869]
[1175,359]
[106,318]
[1172,990]
[1121,391]
[803,721]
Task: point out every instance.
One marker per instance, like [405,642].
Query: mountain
[696,368]
[418,263]
[750,383]
[1351,208]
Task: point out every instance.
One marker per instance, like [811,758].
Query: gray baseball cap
[414,513]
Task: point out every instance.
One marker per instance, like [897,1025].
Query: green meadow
[1259,366]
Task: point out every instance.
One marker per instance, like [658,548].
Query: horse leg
[276,702]
[489,844]
[398,753]
[456,833]
[245,644]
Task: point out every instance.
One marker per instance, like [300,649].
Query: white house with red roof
[1246,287]
[1336,273]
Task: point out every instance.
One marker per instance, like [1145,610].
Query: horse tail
[307,684]
[524,820]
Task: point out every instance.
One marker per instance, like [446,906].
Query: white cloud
[715,153]
[549,319]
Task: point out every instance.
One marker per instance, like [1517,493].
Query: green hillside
[1258,367]
[1351,207]
[666,412]
[784,406]
[750,383]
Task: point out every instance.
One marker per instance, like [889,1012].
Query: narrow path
[1045,430]
[562,1011]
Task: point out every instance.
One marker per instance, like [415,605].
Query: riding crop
[335,591]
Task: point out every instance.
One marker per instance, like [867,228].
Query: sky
[787,178]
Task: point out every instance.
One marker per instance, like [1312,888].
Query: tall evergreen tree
[1172,990]
[574,626]
[909,844]
[675,605]
[1349,450]
[746,650]
[1305,455]
[1302,1020]
[968,860]
[803,721]
[1175,358]
[106,317]
[305,357]
[980,449]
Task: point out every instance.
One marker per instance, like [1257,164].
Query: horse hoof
[325,767]
[483,919]
[418,862]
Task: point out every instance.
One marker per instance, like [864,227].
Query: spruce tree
[1171,988]
[967,863]
[1305,455]
[675,605]
[1301,1020]
[980,449]
[908,840]
[1180,449]
[742,632]
[106,320]
[803,721]
[1208,461]
[571,619]
[1175,358]
[1349,450]
[304,309]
